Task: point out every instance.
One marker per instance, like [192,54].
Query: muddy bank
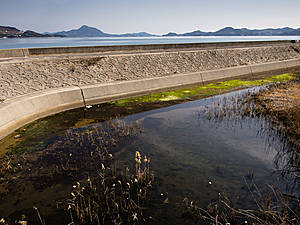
[28,76]
[282,103]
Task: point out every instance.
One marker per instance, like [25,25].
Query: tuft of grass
[274,208]
[113,198]
[92,61]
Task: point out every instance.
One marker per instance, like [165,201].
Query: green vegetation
[204,90]
[17,142]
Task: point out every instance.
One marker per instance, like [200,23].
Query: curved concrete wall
[29,75]
[17,112]
[119,48]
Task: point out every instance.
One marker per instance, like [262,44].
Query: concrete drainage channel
[19,111]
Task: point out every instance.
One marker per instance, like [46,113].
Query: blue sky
[154,16]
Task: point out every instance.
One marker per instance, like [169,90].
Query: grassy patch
[208,89]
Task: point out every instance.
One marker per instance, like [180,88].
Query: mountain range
[230,31]
[12,32]
[86,31]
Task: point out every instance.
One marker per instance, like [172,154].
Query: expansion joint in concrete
[286,65]
[202,78]
[82,94]
[251,71]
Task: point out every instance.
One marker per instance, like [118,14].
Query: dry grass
[278,107]
[281,105]
[272,209]
[113,198]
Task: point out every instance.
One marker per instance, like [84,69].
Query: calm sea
[67,42]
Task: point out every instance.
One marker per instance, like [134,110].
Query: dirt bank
[282,103]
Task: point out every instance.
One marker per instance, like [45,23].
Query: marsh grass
[280,127]
[89,150]
[279,119]
[274,208]
[113,198]
[83,146]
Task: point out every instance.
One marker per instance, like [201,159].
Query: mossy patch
[16,143]
[83,122]
[204,90]
[27,139]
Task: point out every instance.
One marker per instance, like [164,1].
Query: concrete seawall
[28,75]
[28,52]
[18,111]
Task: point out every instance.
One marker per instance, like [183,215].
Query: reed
[113,198]
[274,208]
[280,121]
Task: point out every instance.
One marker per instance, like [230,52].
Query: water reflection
[240,109]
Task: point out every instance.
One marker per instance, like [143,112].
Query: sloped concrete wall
[24,76]
[96,49]
[16,112]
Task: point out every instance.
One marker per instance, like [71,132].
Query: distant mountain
[140,34]
[9,32]
[295,32]
[195,33]
[83,31]
[12,32]
[86,31]
[230,31]
[171,34]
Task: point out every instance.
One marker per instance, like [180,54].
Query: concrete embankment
[33,74]
[37,87]
[121,48]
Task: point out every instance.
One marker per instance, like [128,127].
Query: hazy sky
[154,16]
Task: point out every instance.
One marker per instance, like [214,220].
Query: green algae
[204,90]
[42,129]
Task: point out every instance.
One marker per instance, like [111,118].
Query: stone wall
[28,76]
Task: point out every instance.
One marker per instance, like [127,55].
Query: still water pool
[191,156]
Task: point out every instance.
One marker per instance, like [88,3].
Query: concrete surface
[20,76]
[12,53]
[19,111]
[120,48]
[268,66]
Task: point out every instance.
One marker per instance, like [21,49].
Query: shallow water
[191,156]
